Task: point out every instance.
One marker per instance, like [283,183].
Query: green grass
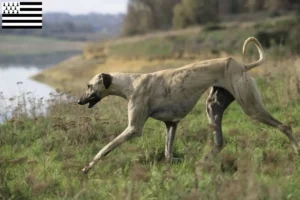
[190,43]
[41,158]
[29,45]
[17,39]
[151,47]
[201,40]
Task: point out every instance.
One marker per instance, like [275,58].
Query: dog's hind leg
[218,100]
[170,137]
[250,100]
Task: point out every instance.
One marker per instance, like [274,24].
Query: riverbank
[40,60]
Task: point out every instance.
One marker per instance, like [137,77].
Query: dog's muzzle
[91,100]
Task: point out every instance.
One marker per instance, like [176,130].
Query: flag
[22,15]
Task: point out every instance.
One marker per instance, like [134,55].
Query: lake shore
[42,60]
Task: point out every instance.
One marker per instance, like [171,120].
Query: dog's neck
[122,84]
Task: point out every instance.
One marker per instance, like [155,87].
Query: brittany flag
[22,15]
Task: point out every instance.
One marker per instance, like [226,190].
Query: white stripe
[30,12]
[21,24]
[31,6]
[22,18]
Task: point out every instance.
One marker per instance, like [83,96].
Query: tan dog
[169,95]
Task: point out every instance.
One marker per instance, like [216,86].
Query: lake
[15,84]
[15,80]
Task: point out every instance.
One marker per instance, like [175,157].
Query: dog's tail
[260,51]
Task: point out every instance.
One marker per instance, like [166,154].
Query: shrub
[293,40]
[193,12]
[268,37]
[214,27]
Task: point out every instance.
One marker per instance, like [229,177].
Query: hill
[32,45]
[91,26]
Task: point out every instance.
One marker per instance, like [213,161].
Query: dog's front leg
[128,133]
[137,116]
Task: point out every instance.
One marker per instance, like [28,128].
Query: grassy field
[28,45]
[41,157]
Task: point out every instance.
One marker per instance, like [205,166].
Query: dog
[169,95]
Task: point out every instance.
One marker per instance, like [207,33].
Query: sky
[81,6]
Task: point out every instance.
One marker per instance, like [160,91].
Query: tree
[276,5]
[138,20]
[192,12]
[254,5]
[147,15]
[180,19]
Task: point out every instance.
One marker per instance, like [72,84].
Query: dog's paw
[86,169]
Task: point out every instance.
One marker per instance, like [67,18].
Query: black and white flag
[22,15]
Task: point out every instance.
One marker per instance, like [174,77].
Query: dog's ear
[107,79]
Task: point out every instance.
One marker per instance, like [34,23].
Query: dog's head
[98,88]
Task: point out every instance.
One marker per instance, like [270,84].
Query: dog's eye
[89,86]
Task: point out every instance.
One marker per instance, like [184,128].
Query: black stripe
[30,3]
[30,9]
[22,27]
[22,15]
[22,21]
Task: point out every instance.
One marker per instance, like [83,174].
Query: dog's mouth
[92,101]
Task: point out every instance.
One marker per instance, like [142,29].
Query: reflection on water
[10,76]
[18,69]
[15,85]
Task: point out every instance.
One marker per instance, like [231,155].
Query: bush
[268,37]
[275,14]
[214,27]
[194,12]
[293,40]
[298,13]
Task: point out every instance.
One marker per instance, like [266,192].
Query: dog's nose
[79,102]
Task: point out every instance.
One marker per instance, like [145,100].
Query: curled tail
[260,51]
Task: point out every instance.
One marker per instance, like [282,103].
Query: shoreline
[41,61]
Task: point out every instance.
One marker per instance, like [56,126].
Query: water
[11,75]
[16,87]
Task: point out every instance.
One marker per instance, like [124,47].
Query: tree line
[148,15]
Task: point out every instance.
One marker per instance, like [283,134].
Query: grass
[41,156]
[11,45]
[192,41]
